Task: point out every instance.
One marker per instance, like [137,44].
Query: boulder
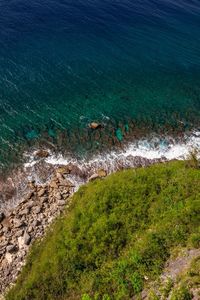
[2,216]
[8,257]
[93,177]
[29,196]
[42,153]
[37,209]
[63,170]
[65,182]
[27,239]
[61,202]
[44,199]
[31,184]
[30,229]
[19,233]
[30,204]
[36,223]
[95,125]
[20,242]
[58,196]
[11,248]
[18,223]
[60,176]
[24,212]
[41,192]
[102,173]
[53,184]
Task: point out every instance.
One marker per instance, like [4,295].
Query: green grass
[115,237]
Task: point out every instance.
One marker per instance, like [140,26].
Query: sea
[132,66]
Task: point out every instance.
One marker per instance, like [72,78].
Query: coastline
[141,153]
[45,184]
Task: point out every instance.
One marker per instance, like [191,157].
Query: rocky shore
[42,201]
[28,221]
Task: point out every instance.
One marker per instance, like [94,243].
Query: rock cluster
[28,220]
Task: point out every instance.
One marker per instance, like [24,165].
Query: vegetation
[184,287]
[116,236]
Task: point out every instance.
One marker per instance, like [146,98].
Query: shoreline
[140,153]
[45,186]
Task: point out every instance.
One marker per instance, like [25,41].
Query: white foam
[143,148]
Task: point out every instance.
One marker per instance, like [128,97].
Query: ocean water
[132,65]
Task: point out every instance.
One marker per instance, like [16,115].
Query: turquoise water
[133,66]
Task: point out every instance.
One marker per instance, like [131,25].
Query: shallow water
[134,66]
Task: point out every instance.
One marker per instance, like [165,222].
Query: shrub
[181,293]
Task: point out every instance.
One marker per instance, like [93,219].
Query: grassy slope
[117,232]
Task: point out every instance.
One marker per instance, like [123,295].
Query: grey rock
[27,239]
[42,153]
[11,248]
[37,209]
[58,196]
[18,223]
[30,229]
[61,202]
[19,233]
[30,204]
[6,230]
[24,212]
[93,177]
[36,223]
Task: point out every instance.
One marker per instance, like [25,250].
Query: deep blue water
[127,64]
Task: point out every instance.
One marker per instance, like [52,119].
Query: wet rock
[95,125]
[63,170]
[75,170]
[42,153]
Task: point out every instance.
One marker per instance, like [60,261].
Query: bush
[181,293]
